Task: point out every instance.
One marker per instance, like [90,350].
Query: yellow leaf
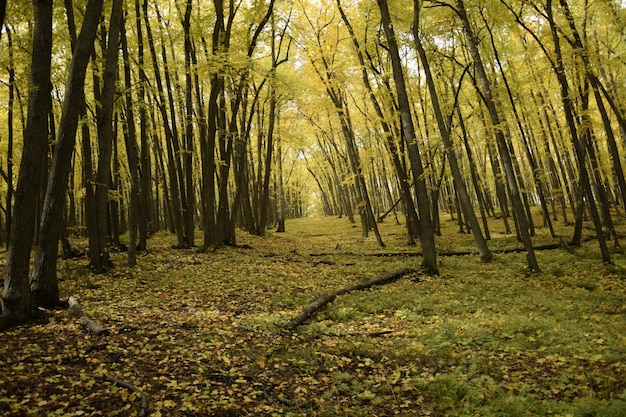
[261,362]
[169,403]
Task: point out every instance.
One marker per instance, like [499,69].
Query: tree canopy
[190,116]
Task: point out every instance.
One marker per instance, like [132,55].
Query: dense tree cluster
[134,117]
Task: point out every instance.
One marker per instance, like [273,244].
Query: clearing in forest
[200,334]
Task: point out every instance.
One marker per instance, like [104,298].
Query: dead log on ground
[325,299]
[83,319]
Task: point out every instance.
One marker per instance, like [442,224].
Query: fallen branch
[325,299]
[83,319]
[119,382]
[562,243]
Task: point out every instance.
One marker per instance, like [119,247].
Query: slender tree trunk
[130,137]
[518,206]
[568,108]
[17,301]
[429,262]
[3,7]
[9,179]
[405,191]
[188,140]
[175,201]
[106,133]
[280,193]
[264,203]
[474,174]
[444,130]
[145,216]
[209,167]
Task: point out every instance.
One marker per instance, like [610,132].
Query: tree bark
[10,133]
[188,140]
[280,193]
[568,108]
[106,134]
[17,301]
[427,235]
[130,137]
[44,277]
[3,8]
[325,299]
[174,203]
[146,218]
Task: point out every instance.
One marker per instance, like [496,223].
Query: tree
[444,130]
[503,147]
[3,8]
[17,302]
[427,235]
[106,135]
[130,136]
[44,280]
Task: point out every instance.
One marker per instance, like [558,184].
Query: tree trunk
[427,236]
[130,137]
[568,108]
[188,141]
[17,301]
[174,203]
[325,299]
[518,206]
[444,130]
[280,193]
[146,217]
[44,277]
[3,8]
[106,134]
[9,179]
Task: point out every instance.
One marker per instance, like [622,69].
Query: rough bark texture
[3,7]
[325,299]
[17,303]
[44,278]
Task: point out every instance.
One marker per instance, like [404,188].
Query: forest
[266,207]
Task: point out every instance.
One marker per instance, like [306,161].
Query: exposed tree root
[325,299]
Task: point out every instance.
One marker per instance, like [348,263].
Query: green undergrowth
[200,333]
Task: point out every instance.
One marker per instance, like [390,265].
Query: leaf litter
[200,334]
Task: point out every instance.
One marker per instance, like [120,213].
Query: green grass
[200,333]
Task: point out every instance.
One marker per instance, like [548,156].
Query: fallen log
[325,299]
[83,319]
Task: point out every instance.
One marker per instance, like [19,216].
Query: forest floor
[199,334]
